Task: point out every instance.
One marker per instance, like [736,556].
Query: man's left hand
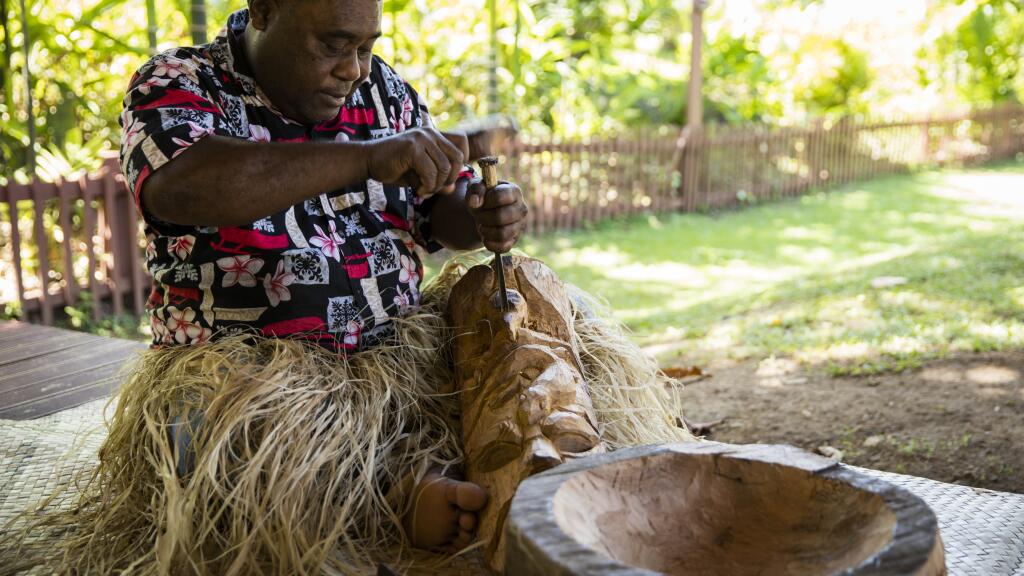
[500,214]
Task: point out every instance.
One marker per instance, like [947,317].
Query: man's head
[309,56]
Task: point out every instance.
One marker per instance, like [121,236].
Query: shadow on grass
[796,277]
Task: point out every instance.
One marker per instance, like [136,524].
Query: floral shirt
[334,269]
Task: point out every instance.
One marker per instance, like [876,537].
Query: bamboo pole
[26,48]
[151,26]
[197,21]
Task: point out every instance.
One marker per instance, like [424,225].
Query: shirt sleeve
[168,107]
[422,229]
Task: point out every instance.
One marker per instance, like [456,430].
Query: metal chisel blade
[499,271]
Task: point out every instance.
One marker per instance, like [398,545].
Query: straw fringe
[298,453]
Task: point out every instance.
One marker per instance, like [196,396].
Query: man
[285,175]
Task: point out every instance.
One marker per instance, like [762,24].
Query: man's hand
[422,158]
[500,214]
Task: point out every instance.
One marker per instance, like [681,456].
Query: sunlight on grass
[795,278]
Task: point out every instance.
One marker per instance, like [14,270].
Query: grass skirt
[299,451]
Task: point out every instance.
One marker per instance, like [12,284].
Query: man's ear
[259,13]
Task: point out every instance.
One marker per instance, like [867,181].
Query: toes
[469,496]
[462,540]
[467,521]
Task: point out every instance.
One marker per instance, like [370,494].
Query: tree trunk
[151,25]
[198,21]
[26,46]
[5,74]
[695,97]
[492,72]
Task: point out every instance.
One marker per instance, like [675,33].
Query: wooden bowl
[710,509]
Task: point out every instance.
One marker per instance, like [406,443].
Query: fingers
[504,194]
[424,168]
[475,193]
[435,161]
[456,157]
[442,167]
[501,239]
[500,214]
[461,142]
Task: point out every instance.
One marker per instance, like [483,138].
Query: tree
[197,19]
[982,56]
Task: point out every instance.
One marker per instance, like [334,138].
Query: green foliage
[120,326]
[81,56]
[983,55]
[739,78]
[564,67]
[840,91]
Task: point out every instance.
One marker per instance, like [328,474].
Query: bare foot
[444,513]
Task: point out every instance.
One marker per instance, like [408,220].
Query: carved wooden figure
[525,403]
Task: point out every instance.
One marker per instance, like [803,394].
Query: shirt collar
[229,54]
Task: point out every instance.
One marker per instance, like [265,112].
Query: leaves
[564,67]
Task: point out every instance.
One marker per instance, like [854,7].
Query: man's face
[533,411]
[312,55]
[525,402]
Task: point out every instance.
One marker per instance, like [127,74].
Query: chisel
[489,172]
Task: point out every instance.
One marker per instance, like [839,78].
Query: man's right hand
[422,158]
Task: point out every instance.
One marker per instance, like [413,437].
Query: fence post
[926,141]
[19,278]
[64,198]
[42,251]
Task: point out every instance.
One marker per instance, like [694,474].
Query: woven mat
[983,531]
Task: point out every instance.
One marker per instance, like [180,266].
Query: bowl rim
[532,529]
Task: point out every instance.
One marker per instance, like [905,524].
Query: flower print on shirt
[239,270]
[277,284]
[329,244]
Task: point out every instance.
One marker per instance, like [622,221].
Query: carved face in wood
[525,404]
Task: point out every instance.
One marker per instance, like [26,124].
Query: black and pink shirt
[334,269]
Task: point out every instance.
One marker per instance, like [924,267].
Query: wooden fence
[92,242]
[574,183]
[77,238]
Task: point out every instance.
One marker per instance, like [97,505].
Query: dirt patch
[958,420]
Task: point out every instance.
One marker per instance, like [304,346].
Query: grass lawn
[868,278]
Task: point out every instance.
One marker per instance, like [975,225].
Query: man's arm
[223,181]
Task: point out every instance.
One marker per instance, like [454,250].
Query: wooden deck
[44,370]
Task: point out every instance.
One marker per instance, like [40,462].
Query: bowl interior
[705,514]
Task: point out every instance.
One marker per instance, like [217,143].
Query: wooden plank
[43,346]
[90,188]
[537,204]
[110,236]
[50,369]
[42,251]
[545,179]
[134,260]
[23,333]
[666,174]
[19,326]
[72,360]
[67,195]
[12,326]
[12,210]
[84,388]
[16,192]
